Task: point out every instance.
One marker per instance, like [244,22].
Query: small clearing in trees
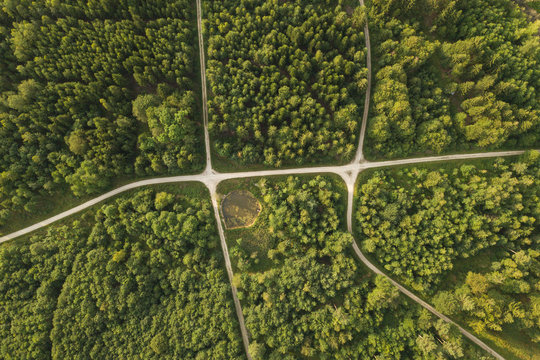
[240,209]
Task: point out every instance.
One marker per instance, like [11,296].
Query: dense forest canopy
[92,91]
[306,297]
[452,75]
[286,79]
[419,222]
[142,277]
[95,92]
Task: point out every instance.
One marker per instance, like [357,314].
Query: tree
[384,294]
[257,351]
[142,103]
[159,344]
[426,344]
[77,143]
[477,283]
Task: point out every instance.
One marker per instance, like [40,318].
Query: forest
[452,75]
[466,236]
[92,91]
[286,80]
[140,277]
[304,295]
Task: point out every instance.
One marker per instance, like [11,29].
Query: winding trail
[348,173]
[211,178]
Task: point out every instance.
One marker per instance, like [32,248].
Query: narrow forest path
[212,187]
[350,180]
[210,178]
[202,60]
[360,151]
[225,249]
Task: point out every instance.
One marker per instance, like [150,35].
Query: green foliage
[446,214]
[142,277]
[171,144]
[507,294]
[311,302]
[142,103]
[75,75]
[287,80]
[453,74]
[418,223]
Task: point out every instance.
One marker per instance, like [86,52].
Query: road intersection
[348,173]
[212,178]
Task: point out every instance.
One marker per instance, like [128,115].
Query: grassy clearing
[509,342]
[254,239]
[240,209]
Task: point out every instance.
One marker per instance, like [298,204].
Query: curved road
[349,174]
[404,290]
[211,179]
